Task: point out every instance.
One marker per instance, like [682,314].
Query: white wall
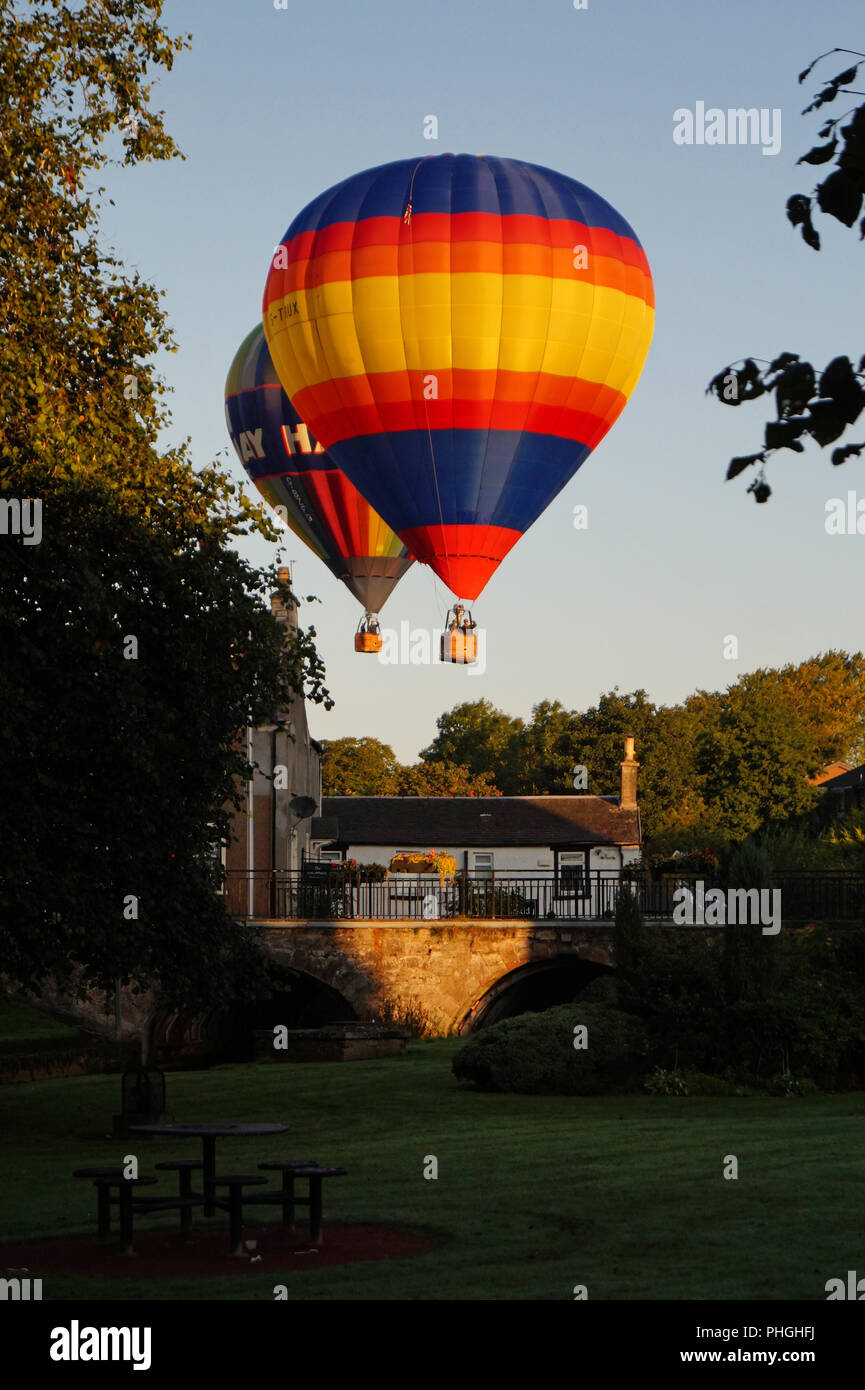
[506,859]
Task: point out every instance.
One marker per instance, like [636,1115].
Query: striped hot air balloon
[460,331]
[295,475]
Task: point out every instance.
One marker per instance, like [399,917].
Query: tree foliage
[820,405]
[722,764]
[138,643]
[366,767]
[443,779]
[477,736]
[357,767]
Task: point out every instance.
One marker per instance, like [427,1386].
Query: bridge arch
[530,988]
[226,1033]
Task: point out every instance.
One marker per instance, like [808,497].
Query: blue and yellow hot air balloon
[295,475]
[459,331]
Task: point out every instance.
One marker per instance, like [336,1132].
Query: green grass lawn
[534,1194]
[21,1023]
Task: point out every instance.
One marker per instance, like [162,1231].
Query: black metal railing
[825,895]
[820,896]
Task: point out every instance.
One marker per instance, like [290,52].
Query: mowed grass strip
[534,1194]
[20,1022]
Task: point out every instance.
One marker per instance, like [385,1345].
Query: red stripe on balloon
[302,251]
[342,506]
[559,406]
[464,557]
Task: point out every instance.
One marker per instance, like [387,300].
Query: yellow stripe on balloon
[524,323]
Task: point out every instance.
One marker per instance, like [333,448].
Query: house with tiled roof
[566,836]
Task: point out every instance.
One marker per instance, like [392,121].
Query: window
[483,864]
[330,856]
[572,873]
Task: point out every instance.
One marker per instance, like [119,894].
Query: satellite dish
[302,806]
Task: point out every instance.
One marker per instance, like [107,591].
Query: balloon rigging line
[437,599]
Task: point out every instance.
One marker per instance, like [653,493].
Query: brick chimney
[283,612]
[628,797]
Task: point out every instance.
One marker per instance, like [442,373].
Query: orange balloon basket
[368,635]
[459,643]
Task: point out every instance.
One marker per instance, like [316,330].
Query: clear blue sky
[273,106]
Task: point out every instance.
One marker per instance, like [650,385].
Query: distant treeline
[721,765]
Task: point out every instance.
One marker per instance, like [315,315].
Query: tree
[72,80]
[545,749]
[829,689]
[628,940]
[443,779]
[481,738]
[756,761]
[130,666]
[599,744]
[366,767]
[139,643]
[357,767]
[820,405]
[748,957]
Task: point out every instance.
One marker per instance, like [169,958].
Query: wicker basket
[459,645]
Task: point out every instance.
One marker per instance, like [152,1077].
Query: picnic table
[208,1134]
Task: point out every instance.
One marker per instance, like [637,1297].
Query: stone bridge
[453,974]
[441,977]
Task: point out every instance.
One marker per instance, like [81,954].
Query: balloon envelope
[294,474]
[460,331]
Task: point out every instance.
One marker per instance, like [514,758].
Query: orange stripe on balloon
[428,229]
[465,226]
[442,258]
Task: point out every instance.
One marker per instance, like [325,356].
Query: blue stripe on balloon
[460,183]
[268,408]
[472,467]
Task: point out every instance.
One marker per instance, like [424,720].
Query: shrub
[629,938]
[407,1014]
[786,1084]
[484,899]
[673,986]
[665,1083]
[534,1054]
[604,989]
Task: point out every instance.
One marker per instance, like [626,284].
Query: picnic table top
[215,1130]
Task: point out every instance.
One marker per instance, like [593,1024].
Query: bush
[603,989]
[786,1084]
[665,1083]
[534,1054]
[484,899]
[673,987]
[629,937]
[409,1015]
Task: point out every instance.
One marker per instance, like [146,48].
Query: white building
[568,841]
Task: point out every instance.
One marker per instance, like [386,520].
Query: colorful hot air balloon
[460,331]
[295,475]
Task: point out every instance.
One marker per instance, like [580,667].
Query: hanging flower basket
[424,862]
